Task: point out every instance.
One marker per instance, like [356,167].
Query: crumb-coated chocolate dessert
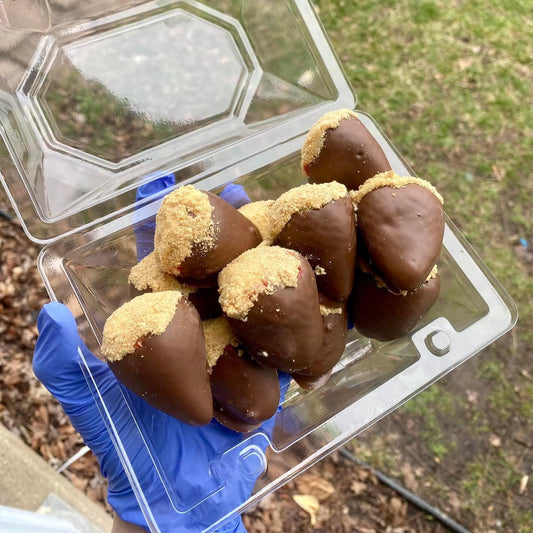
[339,147]
[147,276]
[400,225]
[257,212]
[270,297]
[198,233]
[379,314]
[245,394]
[334,333]
[155,346]
[318,221]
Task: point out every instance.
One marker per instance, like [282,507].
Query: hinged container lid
[100,102]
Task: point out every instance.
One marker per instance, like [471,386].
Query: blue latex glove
[194,461]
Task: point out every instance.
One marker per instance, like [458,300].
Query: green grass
[430,406]
[451,83]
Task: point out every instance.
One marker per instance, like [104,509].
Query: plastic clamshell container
[116,95]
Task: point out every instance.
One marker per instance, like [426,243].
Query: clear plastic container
[113,95]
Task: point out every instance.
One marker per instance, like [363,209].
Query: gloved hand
[175,465]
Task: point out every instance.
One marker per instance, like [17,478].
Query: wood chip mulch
[334,496]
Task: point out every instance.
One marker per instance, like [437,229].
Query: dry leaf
[494,440]
[472,397]
[499,173]
[465,62]
[315,486]
[409,478]
[357,487]
[309,504]
[523,484]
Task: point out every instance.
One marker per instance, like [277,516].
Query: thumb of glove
[56,363]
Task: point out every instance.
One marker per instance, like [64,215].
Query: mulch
[333,496]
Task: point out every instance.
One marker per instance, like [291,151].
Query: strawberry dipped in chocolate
[380,314]
[400,225]
[245,394]
[155,345]
[270,298]
[338,147]
[197,234]
[318,221]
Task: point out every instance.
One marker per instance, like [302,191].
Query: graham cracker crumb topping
[257,271]
[145,315]
[326,311]
[183,220]
[301,199]
[147,275]
[218,335]
[315,137]
[380,283]
[391,179]
[257,212]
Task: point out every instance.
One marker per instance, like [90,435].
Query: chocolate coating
[379,314]
[245,393]
[334,333]
[350,155]
[326,237]
[169,371]
[283,330]
[205,300]
[311,382]
[402,231]
[234,235]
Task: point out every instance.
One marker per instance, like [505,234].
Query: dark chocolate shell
[334,333]
[169,371]
[245,393]
[283,329]
[234,235]
[349,155]
[401,230]
[326,237]
[379,314]
[204,299]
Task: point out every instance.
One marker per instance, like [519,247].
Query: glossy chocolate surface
[350,155]
[283,330]
[245,393]
[379,314]
[326,237]
[234,235]
[311,382]
[402,231]
[334,333]
[169,371]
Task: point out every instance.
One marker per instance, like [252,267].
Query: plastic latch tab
[437,338]
[248,457]
[252,461]
[438,343]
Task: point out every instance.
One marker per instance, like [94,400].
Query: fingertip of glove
[156,186]
[55,313]
[235,195]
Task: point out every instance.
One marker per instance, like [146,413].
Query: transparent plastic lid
[101,99]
